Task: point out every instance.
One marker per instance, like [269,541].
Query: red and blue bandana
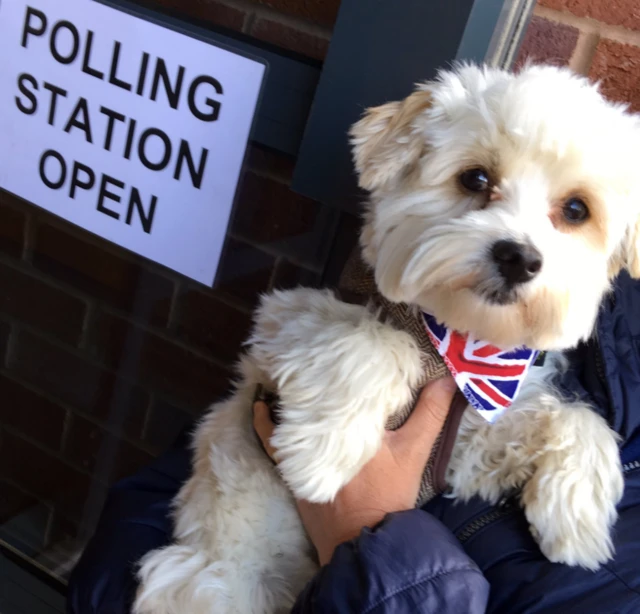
[490,378]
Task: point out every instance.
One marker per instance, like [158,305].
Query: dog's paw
[340,373]
[570,501]
[579,538]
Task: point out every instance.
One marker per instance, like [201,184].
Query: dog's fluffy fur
[544,135]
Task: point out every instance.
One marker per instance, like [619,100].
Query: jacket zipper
[507,507]
[503,508]
[599,365]
[600,373]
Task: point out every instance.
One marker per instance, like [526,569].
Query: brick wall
[598,38]
[301,26]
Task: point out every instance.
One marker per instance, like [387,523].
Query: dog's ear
[383,147]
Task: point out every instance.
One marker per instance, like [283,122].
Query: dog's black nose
[517,262]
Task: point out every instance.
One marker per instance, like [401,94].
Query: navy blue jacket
[447,558]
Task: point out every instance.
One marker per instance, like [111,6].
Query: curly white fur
[544,135]
[316,330]
[240,547]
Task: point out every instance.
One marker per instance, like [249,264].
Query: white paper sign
[126,128]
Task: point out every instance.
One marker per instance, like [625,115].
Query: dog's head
[504,204]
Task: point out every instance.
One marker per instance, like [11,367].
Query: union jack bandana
[489,378]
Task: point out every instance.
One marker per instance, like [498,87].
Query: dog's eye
[575,211]
[475,180]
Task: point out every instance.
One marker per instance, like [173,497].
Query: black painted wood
[378,51]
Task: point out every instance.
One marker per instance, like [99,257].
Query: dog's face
[503,204]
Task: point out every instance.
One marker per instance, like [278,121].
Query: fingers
[421,430]
[263,426]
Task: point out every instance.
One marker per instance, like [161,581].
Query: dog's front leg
[339,373]
[565,460]
[570,500]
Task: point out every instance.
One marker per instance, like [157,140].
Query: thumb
[420,431]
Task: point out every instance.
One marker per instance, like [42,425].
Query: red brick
[546,42]
[204,10]
[41,305]
[31,413]
[43,475]
[88,443]
[269,213]
[76,382]
[617,66]
[12,224]
[290,38]
[321,11]
[624,13]
[101,274]
[244,272]
[210,325]
[165,423]
[189,379]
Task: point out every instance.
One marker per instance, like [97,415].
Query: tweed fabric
[357,285]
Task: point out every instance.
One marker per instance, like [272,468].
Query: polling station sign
[131,130]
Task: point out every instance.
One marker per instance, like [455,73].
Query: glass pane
[108,357]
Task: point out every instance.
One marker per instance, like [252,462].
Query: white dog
[502,204]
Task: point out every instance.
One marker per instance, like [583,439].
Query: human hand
[388,483]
